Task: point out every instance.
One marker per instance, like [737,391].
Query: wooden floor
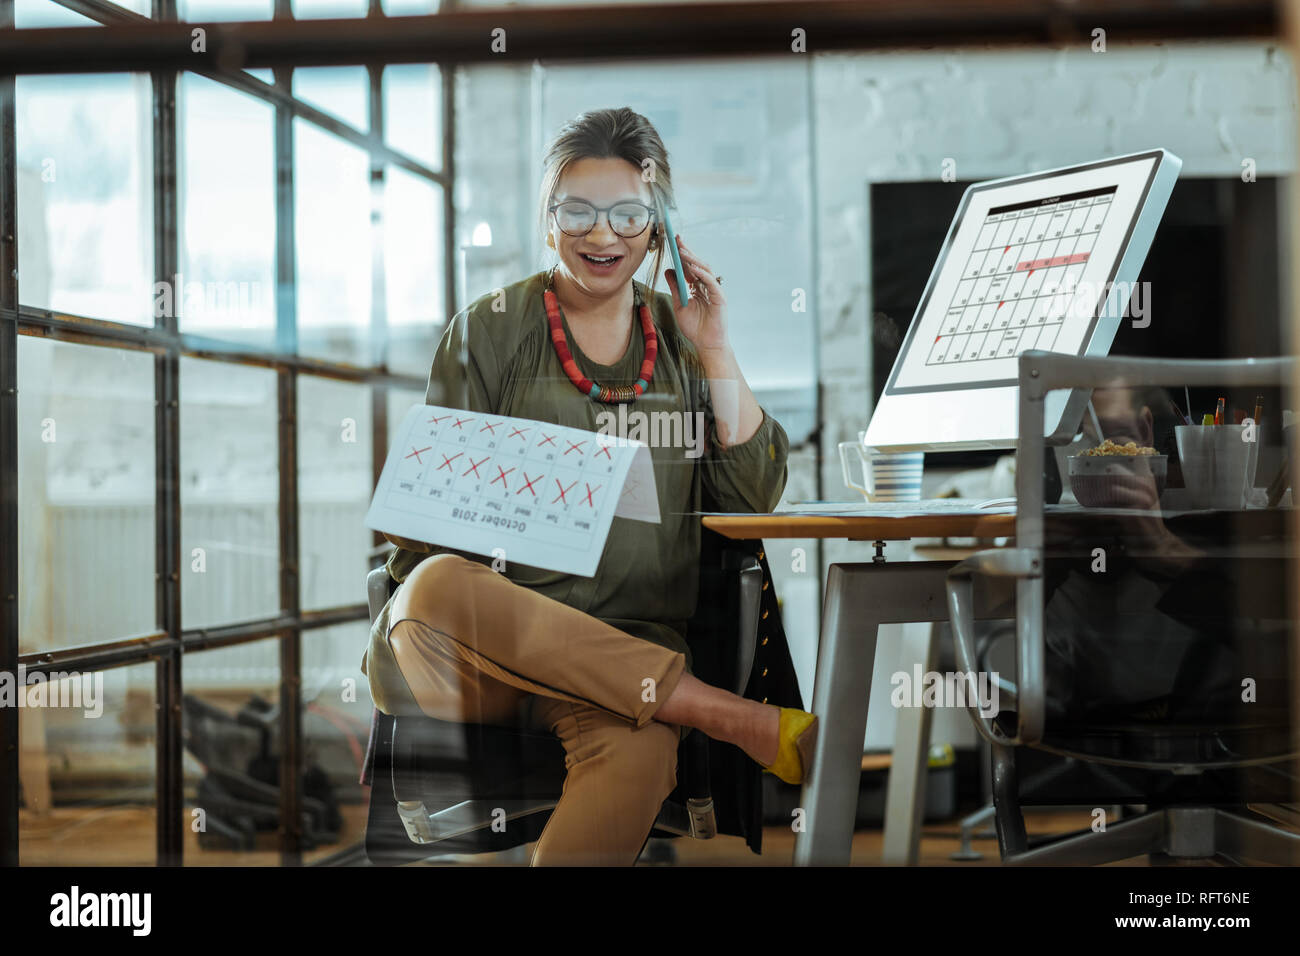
[124,836]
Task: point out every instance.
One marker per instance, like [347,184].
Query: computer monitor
[1044,261]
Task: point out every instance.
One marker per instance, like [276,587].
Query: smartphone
[682,295]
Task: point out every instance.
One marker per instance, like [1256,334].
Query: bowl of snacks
[1117,476]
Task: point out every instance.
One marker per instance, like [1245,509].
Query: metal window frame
[447,38]
[166,646]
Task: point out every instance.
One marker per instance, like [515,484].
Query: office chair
[1206,789]
[240,788]
[441,787]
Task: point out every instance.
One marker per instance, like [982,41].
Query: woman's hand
[703,320]
[737,414]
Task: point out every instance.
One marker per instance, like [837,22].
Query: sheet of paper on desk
[545,494]
[898,509]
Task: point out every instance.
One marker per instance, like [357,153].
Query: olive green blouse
[497,356]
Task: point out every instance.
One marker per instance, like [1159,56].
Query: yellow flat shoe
[794,754]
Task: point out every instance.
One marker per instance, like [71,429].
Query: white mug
[887,476]
[1218,465]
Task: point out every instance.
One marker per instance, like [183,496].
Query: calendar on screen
[1019,278]
[545,494]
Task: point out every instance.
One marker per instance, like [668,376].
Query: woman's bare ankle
[724,716]
[766,733]
[753,727]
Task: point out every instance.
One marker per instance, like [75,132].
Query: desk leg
[905,799]
[846,654]
[859,598]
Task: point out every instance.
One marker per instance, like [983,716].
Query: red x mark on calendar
[563,490]
[604,450]
[415,453]
[490,427]
[501,477]
[517,431]
[574,446]
[473,466]
[590,491]
[550,440]
[528,484]
[461,421]
[446,462]
[437,418]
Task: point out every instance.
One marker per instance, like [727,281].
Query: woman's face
[603,183]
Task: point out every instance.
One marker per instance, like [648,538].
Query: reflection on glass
[410,8]
[1167,622]
[86,764]
[413,110]
[86,491]
[85,195]
[213,11]
[413,269]
[340,90]
[230,557]
[323,9]
[332,228]
[227,213]
[38,14]
[231,733]
[336,723]
[334,486]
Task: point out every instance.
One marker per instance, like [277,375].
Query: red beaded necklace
[610,394]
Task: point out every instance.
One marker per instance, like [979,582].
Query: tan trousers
[475,647]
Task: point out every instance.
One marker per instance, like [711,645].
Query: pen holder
[886,477]
[1218,464]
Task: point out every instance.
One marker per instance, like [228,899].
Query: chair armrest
[377,591]
[749,574]
[1025,566]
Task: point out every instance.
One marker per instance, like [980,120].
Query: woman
[602,662]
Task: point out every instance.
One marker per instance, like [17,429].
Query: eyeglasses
[577,218]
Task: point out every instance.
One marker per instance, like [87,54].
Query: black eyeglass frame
[606,210]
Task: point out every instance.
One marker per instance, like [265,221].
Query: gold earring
[550,240]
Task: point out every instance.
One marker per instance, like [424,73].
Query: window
[332,235]
[85,195]
[230,495]
[180,342]
[86,497]
[227,214]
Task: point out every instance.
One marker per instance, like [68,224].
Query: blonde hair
[612,134]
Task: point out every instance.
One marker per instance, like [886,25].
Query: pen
[1220,410]
[1259,408]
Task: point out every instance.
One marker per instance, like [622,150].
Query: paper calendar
[545,494]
